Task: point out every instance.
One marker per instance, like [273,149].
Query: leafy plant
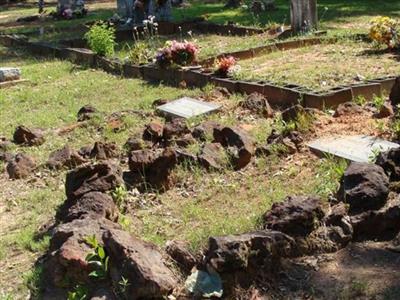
[140,53]
[119,195]
[384,30]
[97,259]
[123,284]
[79,293]
[101,39]
[378,102]
[374,154]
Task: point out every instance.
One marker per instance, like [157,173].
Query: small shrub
[384,31]
[140,53]
[101,39]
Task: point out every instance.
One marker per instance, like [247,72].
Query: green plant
[360,100]
[140,53]
[374,154]
[119,195]
[101,39]
[384,31]
[378,102]
[123,285]
[79,293]
[97,259]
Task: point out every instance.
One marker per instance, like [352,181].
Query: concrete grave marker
[358,148]
[9,74]
[188,107]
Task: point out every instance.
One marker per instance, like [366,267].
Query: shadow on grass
[329,10]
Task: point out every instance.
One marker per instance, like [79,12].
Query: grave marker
[358,148]
[188,107]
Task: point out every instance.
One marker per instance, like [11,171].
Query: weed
[101,39]
[120,195]
[33,280]
[97,259]
[79,293]
[330,171]
[378,102]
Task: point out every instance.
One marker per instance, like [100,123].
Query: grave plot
[210,45]
[321,67]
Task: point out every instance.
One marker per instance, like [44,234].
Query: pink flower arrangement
[180,53]
[224,65]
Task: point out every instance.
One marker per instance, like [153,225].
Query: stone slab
[358,148]
[188,107]
[9,74]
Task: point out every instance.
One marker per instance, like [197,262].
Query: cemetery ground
[202,204]
[202,201]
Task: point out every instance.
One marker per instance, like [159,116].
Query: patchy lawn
[324,66]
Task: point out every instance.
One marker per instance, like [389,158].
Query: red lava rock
[28,137]
[66,263]
[141,263]
[390,162]
[102,177]
[364,187]
[153,132]
[257,103]
[139,160]
[292,113]
[155,166]
[85,151]
[185,157]
[133,144]
[104,151]
[207,129]
[65,157]
[185,140]
[245,148]
[178,251]
[347,108]
[212,156]
[96,204]
[382,224]
[20,166]
[86,113]
[176,128]
[296,216]
[258,249]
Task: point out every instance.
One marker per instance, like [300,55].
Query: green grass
[321,67]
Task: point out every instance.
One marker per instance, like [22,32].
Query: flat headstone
[358,148]
[9,74]
[188,107]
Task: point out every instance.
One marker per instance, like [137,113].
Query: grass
[321,67]
[217,203]
[209,44]
[203,204]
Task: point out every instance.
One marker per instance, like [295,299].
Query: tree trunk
[303,15]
